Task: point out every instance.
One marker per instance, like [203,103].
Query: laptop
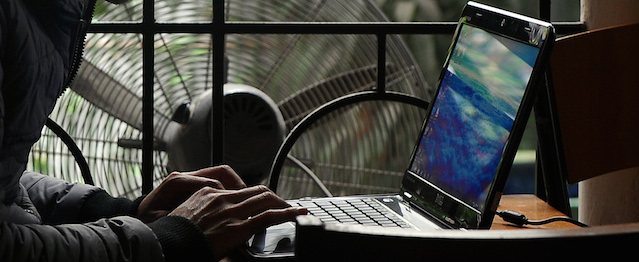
[459,165]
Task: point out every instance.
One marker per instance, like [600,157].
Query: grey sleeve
[115,239]
[119,238]
[56,200]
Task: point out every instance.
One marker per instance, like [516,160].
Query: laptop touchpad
[275,239]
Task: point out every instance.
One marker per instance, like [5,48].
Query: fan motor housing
[254,129]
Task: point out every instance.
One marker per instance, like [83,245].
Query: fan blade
[300,104]
[108,94]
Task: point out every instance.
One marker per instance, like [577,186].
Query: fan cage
[361,149]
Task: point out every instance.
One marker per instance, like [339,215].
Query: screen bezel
[448,209]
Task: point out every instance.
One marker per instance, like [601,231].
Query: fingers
[225,174]
[173,191]
[229,217]
[263,208]
[262,193]
[257,200]
[192,183]
[245,203]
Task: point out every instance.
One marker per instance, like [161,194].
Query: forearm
[102,205]
[117,239]
[61,202]
[56,200]
[181,239]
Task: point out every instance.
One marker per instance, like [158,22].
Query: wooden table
[533,208]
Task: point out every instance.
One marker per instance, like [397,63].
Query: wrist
[102,205]
[181,239]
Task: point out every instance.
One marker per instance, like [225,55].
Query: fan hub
[253,131]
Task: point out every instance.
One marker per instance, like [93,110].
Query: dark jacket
[38,42]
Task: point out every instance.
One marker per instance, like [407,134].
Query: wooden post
[610,198]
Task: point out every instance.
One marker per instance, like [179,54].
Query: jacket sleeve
[56,200]
[115,239]
[120,238]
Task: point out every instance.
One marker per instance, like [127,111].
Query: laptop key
[365,212]
[347,221]
[306,204]
[339,203]
[314,209]
[329,220]
[350,209]
[367,221]
[359,215]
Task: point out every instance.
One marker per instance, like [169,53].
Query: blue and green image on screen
[473,114]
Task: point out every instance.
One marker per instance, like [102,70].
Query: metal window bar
[219,28]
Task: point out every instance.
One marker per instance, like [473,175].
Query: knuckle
[270,199]
[213,201]
[225,168]
[219,198]
[268,195]
[173,175]
[216,183]
[207,190]
[263,188]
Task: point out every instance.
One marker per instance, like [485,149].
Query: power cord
[310,174]
[520,220]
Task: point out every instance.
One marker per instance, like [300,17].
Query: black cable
[73,148]
[520,220]
[310,174]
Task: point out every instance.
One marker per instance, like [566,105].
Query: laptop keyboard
[363,211]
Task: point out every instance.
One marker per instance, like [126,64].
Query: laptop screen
[472,116]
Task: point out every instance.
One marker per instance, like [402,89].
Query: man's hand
[229,218]
[178,187]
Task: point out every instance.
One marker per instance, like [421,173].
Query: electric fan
[273,81]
